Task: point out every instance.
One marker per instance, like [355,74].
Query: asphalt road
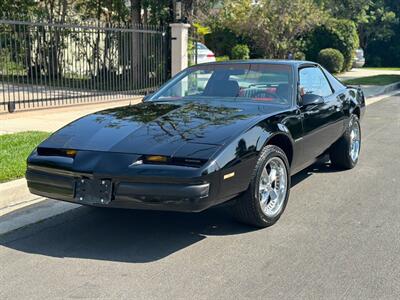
[339,238]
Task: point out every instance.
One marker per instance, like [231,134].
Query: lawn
[374,80]
[383,69]
[14,149]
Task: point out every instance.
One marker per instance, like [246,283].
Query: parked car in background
[359,59]
[237,132]
[204,54]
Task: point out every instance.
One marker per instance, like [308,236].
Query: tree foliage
[221,40]
[377,23]
[271,28]
[275,27]
[340,34]
[240,51]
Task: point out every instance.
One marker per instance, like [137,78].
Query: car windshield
[200,46]
[268,83]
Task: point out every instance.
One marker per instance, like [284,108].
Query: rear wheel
[345,152]
[266,198]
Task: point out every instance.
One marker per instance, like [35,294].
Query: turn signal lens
[70,153]
[156,158]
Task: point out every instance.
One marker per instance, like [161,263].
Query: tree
[136,8]
[276,27]
[374,19]
[198,10]
[345,9]
[12,9]
[376,24]
[383,48]
[340,34]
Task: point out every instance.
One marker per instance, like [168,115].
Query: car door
[322,123]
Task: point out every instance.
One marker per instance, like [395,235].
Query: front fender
[237,161]
[271,132]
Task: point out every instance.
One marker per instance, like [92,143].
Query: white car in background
[359,59]
[204,55]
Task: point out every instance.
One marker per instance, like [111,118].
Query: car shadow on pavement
[132,236]
[322,166]
[121,235]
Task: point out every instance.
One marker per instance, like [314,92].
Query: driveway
[339,238]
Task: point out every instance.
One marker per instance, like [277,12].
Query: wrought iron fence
[57,64]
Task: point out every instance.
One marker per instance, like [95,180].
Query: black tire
[247,208]
[340,151]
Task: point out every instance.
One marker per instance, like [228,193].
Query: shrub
[331,59]
[299,55]
[240,52]
[334,33]
[222,58]
[221,41]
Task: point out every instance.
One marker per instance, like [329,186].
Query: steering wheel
[265,94]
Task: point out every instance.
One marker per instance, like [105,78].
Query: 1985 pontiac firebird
[215,132]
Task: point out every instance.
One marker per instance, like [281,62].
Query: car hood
[161,128]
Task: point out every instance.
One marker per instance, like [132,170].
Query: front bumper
[124,193]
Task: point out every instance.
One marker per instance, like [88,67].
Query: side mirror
[311,99]
[147,97]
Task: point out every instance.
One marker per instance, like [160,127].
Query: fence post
[179,47]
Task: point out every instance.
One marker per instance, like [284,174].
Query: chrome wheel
[272,187]
[355,141]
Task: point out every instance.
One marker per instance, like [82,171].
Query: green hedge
[331,59]
[335,33]
[222,58]
[240,52]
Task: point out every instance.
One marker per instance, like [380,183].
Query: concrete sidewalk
[51,119]
[365,72]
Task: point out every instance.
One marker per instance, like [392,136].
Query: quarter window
[313,81]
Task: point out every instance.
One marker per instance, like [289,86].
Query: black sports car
[214,132]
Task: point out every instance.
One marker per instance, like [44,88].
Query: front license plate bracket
[93,191]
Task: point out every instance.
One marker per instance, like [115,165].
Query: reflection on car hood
[159,128]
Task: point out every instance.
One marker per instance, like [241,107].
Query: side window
[313,81]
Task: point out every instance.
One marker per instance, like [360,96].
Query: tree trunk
[136,7]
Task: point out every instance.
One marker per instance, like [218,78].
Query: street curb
[20,208]
[11,194]
[390,88]
[387,89]
[42,210]
[377,98]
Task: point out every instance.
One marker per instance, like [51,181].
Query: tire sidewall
[268,153]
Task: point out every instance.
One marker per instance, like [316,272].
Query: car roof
[296,63]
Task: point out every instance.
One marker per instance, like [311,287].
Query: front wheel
[265,200]
[345,152]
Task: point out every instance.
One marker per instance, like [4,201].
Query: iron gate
[57,64]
